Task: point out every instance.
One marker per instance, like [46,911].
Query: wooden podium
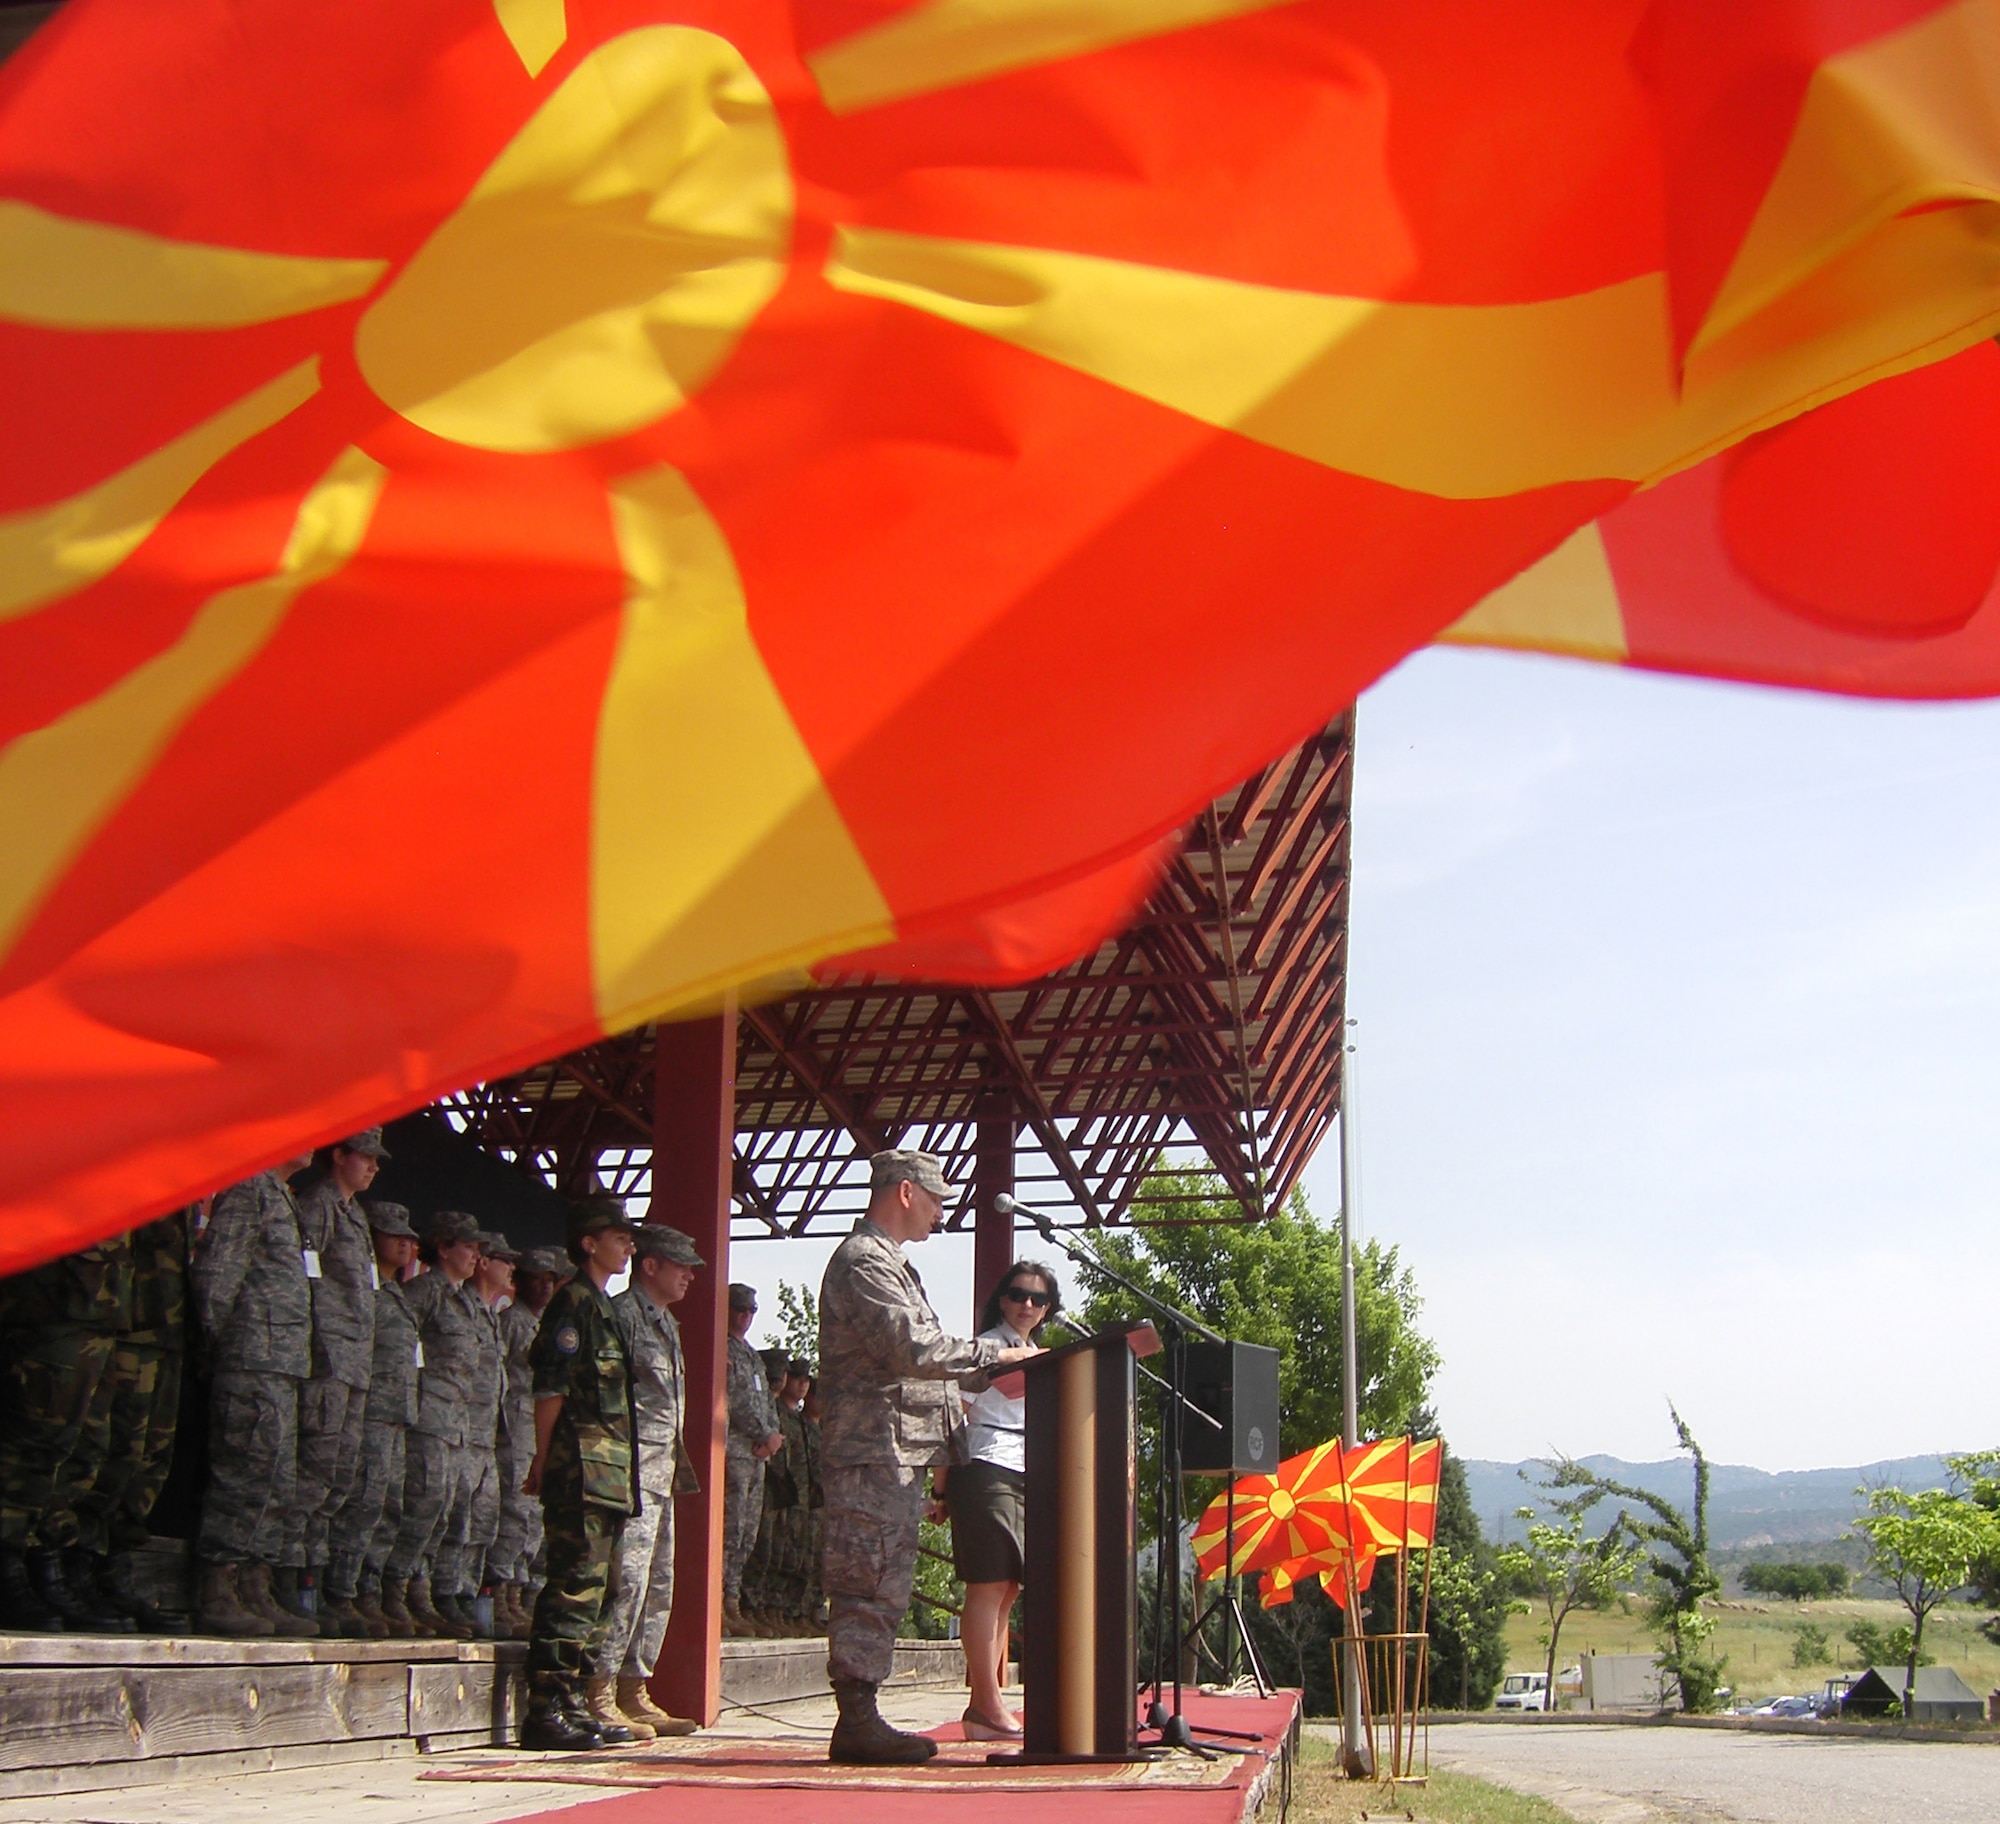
[1079,1661]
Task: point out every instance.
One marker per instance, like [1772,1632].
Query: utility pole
[1356,1755]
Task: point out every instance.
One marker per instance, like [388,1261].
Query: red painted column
[994,1126]
[694,1128]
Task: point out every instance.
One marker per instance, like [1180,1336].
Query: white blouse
[996,1423]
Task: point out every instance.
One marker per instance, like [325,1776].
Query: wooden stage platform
[85,1713]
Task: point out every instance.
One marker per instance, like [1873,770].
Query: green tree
[1979,1471]
[1925,1545]
[798,1321]
[1469,1601]
[1795,1582]
[1676,1552]
[1875,1645]
[1564,1569]
[1277,1283]
[1810,1646]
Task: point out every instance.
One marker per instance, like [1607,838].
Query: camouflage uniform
[642,1576]
[774,1582]
[255,1303]
[145,1388]
[519,1536]
[752,1419]
[62,1323]
[589,1477]
[369,1520]
[885,1373]
[334,1399]
[813,1595]
[450,1322]
[461,1559]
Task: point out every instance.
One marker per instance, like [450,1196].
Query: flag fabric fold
[522,517]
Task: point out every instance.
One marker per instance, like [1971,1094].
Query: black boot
[551,1727]
[83,1610]
[114,1579]
[864,1738]
[21,1610]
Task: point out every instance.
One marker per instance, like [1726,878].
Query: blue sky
[1679,1016]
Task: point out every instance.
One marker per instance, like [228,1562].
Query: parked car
[1786,1706]
[1523,1691]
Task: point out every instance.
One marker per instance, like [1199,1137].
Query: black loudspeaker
[1237,1384]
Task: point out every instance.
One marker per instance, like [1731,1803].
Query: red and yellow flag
[1298,1511]
[521,517]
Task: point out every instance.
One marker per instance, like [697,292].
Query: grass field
[1758,1636]
[1321,1796]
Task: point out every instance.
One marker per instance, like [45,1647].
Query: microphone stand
[1174,1729]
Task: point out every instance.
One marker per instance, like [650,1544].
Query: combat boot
[520,1619]
[863,1737]
[735,1626]
[287,1589]
[83,1610]
[635,1704]
[220,1609]
[253,1584]
[395,1605]
[21,1610]
[456,1608]
[368,1606]
[550,1727]
[115,1580]
[602,1704]
[345,1614]
[426,1614]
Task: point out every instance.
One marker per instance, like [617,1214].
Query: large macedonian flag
[519,517]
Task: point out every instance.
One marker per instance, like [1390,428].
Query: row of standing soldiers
[780,1594]
[366,1431]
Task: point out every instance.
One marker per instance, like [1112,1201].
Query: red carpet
[790,1784]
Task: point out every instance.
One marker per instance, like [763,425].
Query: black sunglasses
[1022,1296]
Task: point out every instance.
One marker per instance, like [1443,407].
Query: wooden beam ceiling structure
[1206,1034]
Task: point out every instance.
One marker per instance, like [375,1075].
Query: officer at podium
[891,1411]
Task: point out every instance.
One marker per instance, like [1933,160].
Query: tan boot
[635,1704]
[417,1599]
[220,1609]
[520,1624]
[735,1625]
[402,1624]
[369,1607]
[253,1584]
[603,1707]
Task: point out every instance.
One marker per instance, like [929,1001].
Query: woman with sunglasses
[984,1499]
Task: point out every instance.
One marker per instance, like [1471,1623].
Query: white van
[1523,1691]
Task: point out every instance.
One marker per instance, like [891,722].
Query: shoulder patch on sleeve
[567,1340]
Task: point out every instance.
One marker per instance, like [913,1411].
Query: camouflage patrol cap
[742,1297]
[390,1219]
[448,1226]
[655,1241]
[776,1365]
[546,1260]
[496,1246]
[799,1368]
[368,1141]
[899,1163]
[594,1213]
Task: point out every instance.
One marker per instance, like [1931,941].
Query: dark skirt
[986,1522]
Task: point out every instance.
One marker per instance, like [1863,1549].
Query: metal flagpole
[1356,1751]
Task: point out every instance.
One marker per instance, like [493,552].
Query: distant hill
[1747,1508]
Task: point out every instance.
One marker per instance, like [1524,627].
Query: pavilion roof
[1207,1033]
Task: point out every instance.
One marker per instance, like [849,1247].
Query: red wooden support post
[992,1175]
[694,1131]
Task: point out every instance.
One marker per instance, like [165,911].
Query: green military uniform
[589,1477]
[61,1322]
[145,1390]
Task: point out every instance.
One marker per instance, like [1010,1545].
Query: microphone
[1004,1205]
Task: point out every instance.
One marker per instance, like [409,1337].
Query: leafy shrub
[1810,1646]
